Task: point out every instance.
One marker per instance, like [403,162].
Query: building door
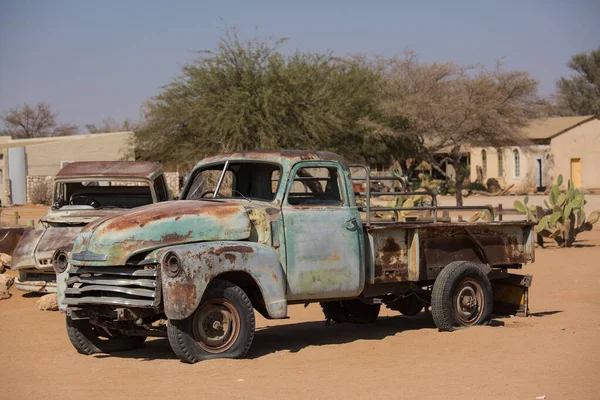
[576,172]
[539,173]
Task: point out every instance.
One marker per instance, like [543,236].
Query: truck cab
[83,192]
[262,230]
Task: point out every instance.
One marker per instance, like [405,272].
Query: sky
[96,59]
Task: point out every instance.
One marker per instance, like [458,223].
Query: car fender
[200,263]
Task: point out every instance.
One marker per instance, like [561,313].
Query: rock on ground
[5,260]
[48,302]
[5,283]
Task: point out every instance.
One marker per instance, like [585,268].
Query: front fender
[201,262]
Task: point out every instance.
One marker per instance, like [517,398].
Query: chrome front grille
[117,286]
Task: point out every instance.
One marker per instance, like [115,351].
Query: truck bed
[414,251]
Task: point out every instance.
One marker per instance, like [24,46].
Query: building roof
[548,128]
[8,142]
[110,169]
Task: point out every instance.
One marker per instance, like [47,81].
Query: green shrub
[567,219]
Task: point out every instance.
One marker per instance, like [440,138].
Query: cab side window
[316,186]
[160,186]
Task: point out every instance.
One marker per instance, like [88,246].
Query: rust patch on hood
[175,210]
[233,249]
[159,225]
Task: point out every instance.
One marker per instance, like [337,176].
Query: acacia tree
[25,122]
[580,94]
[247,95]
[108,125]
[443,108]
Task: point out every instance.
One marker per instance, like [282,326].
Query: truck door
[323,234]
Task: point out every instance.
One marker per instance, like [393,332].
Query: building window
[500,163]
[517,163]
[484,163]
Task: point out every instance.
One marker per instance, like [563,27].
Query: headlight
[172,264]
[60,261]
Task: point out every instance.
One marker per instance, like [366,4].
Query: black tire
[354,311]
[89,339]
[462,296]
[334,311]
[409,305]
[190,338]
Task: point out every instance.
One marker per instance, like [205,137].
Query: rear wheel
[354,311]
[221,327]
[88,338]
[462,296]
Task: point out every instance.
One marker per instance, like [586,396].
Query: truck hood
[76,216]
[114,240]
[36,247]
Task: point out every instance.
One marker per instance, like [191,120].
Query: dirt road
[556,352]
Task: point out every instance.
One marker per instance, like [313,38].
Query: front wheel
[221,327]
[88,338]
[462,296]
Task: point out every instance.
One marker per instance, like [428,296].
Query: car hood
[115,239]
[36,247]
[77,217]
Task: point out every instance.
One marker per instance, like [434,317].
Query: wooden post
[15,218]
[499,211]
[446,216]
[31,223]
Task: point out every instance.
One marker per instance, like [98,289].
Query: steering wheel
[204,194]
[84,201]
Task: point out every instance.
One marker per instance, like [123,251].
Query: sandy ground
[555,352]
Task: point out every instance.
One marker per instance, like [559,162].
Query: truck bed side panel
[496,245]
[390,256]
[419,252]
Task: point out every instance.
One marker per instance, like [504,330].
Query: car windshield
[246,180]
[102,194]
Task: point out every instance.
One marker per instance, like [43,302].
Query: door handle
[350,221]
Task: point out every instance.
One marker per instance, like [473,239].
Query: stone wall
[39,189]
[173,182]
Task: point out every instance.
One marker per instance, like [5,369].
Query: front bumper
[36,281]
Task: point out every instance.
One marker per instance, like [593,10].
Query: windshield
[102,194]
[247,180]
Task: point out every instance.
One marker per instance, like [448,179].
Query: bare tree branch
[25,122]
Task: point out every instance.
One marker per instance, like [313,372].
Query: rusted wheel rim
[216,325]
[468,302]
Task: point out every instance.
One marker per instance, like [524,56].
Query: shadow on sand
[33,295]
[297,336]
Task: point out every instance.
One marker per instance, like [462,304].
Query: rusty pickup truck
[263,230]
[83,192]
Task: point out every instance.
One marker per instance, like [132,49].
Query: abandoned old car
[83,192]
[262,230]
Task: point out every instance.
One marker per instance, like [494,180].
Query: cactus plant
[566,218]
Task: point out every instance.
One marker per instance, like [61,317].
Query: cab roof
[110,169]
[290,156]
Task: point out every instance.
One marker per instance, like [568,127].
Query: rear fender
[202,262]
